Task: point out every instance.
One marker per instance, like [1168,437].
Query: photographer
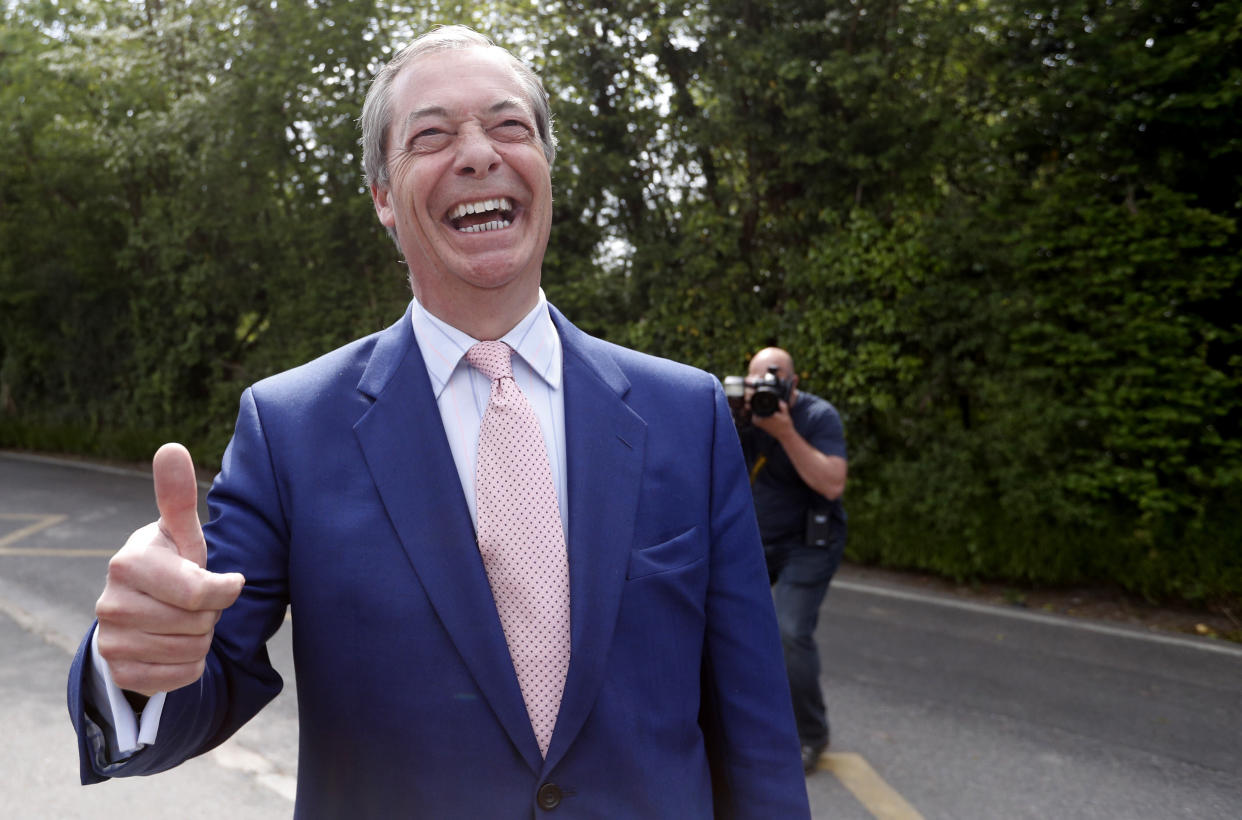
[795,450]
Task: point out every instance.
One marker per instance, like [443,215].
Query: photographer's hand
[779,425]
[823,473]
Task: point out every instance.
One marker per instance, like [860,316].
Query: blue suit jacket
[338,496]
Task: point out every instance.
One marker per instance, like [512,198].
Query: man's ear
[381,196]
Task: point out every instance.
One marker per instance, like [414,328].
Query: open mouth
[481,216]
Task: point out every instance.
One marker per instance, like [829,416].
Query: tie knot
[491,359]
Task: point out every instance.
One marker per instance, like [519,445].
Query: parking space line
[869,788]
[41,522]
[54,552]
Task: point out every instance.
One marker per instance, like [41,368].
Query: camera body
[767,393]
[770,391]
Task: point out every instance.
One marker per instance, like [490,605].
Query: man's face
[760,366]
[765,359]
[470,191]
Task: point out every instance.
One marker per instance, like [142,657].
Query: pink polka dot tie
[521,540]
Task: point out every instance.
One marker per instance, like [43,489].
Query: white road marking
[1063,621]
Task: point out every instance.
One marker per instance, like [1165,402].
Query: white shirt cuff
[132,732]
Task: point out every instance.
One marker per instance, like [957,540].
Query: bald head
[771,357]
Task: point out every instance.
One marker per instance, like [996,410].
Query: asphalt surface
[39,757]
[982,712]
[940,708]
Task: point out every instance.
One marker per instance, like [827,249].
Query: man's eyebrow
[505,104]
[419,113]
[440,111]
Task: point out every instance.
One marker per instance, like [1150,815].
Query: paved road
[940,708]
[984,712]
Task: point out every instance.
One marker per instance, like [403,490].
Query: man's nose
[476,156]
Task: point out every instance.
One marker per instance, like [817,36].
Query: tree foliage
[1001,237]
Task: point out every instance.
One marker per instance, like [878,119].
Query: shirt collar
[534,339]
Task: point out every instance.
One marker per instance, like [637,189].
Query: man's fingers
[128,609]
[156,633]
[199,590]
[160,605]
[118,645]
[149,678]
[153,570]
[176,495]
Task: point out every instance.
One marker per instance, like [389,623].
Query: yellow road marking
[869,788]
[68,553]
[41,522]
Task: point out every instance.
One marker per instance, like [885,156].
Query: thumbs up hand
[159,606]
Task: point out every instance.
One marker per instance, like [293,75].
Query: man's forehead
[764,360]
[422,95]
[446,78]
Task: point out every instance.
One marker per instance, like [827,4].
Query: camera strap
[759,465]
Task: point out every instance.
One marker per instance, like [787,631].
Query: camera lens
[765,402]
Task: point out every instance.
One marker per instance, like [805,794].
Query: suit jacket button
[549,796]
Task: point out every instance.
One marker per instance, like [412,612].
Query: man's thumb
[176,495]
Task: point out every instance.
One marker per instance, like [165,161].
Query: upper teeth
[501,204]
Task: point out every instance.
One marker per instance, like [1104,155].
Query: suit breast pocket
[678,552]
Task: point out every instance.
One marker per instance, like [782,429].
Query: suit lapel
[408,455]
[604,442]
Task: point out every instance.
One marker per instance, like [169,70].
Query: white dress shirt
[461,393]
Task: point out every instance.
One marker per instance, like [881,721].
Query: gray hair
[377,114]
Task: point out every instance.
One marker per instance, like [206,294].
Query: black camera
[768,391]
